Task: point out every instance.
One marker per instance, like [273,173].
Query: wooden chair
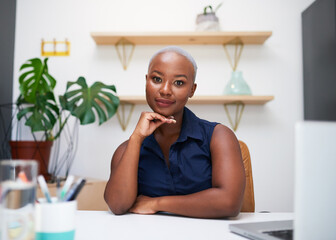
[248,201]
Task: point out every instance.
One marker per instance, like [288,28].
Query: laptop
[315,189]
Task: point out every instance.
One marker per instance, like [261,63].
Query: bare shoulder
[119,152]
[122,147]
[223,132]
[223,137]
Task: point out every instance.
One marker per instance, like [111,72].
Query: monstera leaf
[41,116]
[35,79]
[38,107]
[81,101]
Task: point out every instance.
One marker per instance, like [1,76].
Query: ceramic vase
[237,85]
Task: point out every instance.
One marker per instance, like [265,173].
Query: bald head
[179,51]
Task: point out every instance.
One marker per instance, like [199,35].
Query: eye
[157,80]
[178,83]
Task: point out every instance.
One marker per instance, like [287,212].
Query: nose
[165,88]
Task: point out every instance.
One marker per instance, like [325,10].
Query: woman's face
[169,83]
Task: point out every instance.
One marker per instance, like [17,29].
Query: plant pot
[207,22]
[37,150]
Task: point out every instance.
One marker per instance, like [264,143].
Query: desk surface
[105,225]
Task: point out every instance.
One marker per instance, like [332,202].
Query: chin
[163,112]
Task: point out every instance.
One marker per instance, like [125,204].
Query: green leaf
[23,112]
[218,6]
[73,93]
[35,79]
[43,115]
[206,8]
[82,101]
[100,112]
[111,109]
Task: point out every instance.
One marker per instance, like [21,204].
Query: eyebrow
[179,75]
[182,75]
[155,71]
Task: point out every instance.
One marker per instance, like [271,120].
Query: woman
[174,161]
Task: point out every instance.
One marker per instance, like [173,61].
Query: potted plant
[207,20]
[39,109]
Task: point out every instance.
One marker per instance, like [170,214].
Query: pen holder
[55,220]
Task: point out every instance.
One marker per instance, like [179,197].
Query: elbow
[229,208]
[233,212]
[116,207]
[228,211]
[233,208]
[118,210]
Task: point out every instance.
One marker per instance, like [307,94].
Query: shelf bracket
[238,49]
[121,112]
[238,115]
[122,47]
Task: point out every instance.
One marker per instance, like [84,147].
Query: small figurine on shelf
[208,21]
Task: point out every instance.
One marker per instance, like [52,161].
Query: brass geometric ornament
[125,50]
[238,49]
[122,112]
[238,115]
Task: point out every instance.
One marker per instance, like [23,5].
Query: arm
[225,197]
[122,186]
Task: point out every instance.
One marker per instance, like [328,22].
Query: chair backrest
[248,201]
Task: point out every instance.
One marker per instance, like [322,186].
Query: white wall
[274,68]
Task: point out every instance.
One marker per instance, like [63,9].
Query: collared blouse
[190,167]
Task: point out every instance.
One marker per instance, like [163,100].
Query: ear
[146,78]
[193,89]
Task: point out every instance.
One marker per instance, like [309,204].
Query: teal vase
[237,85]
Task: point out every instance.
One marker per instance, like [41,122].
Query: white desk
[96,225]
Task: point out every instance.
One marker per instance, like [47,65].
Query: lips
[161,102]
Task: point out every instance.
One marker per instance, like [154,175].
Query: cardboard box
[91,197]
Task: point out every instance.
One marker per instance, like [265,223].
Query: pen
[58,188]
[74,191]
[44,187]
[66,186]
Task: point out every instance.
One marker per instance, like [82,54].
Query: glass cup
[17,199]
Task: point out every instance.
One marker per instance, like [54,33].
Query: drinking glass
[17,199]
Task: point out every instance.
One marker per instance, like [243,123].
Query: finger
[156,117]
[159,119]
[157,123]
[170,120]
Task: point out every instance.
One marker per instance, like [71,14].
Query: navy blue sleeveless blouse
[190,168]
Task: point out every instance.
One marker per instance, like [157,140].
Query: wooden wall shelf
[124,40]
[236,100]
[227,99]
[177,38]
